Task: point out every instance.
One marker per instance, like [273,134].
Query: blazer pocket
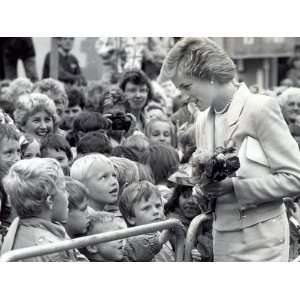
[254,162]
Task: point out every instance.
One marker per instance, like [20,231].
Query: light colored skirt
[265,241]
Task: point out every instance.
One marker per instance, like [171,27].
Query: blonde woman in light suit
[250,222]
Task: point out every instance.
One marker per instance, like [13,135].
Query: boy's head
[101,222]
[162,159]
[126,171]
[95,96]
[127,152]
[36,188]
[90,121]
[94,142]
[141,203]
[96,172]
[10,150]
[137,141]
[57,147]
[78,220]
[75,106]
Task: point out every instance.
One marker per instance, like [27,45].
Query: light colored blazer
[261,182]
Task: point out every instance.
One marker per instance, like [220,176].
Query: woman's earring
[212,82]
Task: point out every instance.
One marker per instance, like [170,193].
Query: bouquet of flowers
[210,168]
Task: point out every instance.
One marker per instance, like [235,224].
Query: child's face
[136,95]
[160,132]
[39,124]
[71,113]
[147,211]
[61,157]
[32,150]
[78,220]
[111,251]
[188,204]
[60,204]
[102,183]
[10,153]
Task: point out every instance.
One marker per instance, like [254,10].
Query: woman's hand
[218,189]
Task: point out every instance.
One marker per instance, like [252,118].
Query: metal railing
[29,252]
[191,235]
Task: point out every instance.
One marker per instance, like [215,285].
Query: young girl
[183,205]
[30,146]
[161,130]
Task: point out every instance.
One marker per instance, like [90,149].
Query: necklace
[224,109]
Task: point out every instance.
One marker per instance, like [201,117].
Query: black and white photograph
[162,147]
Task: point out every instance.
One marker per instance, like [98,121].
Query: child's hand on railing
[196,255]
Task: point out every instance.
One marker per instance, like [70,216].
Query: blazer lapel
[235,111]
[210,130]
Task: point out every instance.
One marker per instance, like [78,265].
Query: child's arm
[143,248]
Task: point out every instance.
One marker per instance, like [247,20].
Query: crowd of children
[79,160]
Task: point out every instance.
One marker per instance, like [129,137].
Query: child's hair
[127,152]
[103,218]
[173,201]
[126,171]
[154,105]
[76,97]
[91,121]
[94,142]
[81,167]
[162,159]
[78,193]
[145,172]
[58,143]
[150,124]
[134,193]
[87,121]
[54,89]
[25,141]
[9,132]
[137,141]
[29,182]
[29,104]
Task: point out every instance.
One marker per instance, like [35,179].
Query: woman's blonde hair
[200,58]
[29,104]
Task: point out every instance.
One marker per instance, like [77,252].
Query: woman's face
[291,109]
[188,204]
[136,96]
[39,124]
[201,92]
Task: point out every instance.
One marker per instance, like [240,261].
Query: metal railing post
[192,235]
[29,252]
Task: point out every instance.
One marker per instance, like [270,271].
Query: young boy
[96,172]
[140,204]
[104,252]
[94,142]
[57,147]
[36,188]
[78,219]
